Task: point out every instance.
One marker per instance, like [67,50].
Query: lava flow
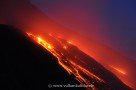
[86,70]
[67,63]
[118,70]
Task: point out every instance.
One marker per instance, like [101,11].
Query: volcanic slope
[24,65]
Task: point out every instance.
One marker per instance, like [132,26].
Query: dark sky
[113,21]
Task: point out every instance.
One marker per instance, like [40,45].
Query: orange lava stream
[118,70]
[86,71]
[50,48]
[70,66]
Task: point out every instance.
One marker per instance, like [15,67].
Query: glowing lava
[69,64]
[118,70]
[69,42]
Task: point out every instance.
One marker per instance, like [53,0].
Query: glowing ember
[65,47]
[69,42]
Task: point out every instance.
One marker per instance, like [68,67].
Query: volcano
[30,62]
[27,17]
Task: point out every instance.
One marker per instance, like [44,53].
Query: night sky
[113,21]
